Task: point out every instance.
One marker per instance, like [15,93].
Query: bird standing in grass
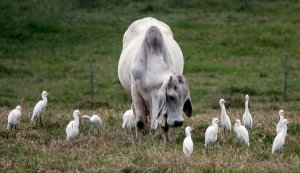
[188,142]
[247,118]
[72,129]
[40,108]
[95,120]
[225,121]
[14,118]
[241,132]
[280,125]
[211,133]
[280,138]
[128,119]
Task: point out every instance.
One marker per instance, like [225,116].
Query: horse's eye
[171,98]
[175,88]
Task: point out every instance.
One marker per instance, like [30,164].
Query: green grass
[230,48]
[112,150]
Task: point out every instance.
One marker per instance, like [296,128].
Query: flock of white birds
[211,133]
[240,129]
[72,129]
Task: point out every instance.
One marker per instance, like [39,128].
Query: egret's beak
[192,129]
[48,94]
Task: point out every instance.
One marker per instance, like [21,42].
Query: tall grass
[35,149]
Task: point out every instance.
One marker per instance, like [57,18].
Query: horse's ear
[180,79]
[187,107]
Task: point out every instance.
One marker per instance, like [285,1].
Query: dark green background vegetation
[230,48]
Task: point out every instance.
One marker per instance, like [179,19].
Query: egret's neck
[215,124]
[246,106]
[285,127]
[281,117]
[237,125]
[45,99]
[86,117]
[223,109]
[76,121]
[188,134]
[284,130]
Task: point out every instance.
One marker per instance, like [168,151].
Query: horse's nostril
[178,123]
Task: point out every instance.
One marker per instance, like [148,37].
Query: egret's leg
[223,136]
[90,131]
[36,123]
[41,121]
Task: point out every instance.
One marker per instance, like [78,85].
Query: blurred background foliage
[230,48]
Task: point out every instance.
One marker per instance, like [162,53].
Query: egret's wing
[37,109]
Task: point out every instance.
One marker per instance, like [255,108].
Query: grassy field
[230,47]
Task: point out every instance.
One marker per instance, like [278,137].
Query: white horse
[150,67]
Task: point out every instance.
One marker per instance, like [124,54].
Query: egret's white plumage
[280,138]
[211,133]
[72,129]
[95,120]
[188,142]
[128,119]
[14,118]
[241,132]
[280,125]
[225,121]
[247,118]
[40,107]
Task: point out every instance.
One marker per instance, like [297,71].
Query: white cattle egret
[225,121]
[188,142]
[280,125]
[247,118]
[40,108]
[14,118]
[280,138]
[72,129]
[95,120]
[211,133]
[241,132]
[128,120]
